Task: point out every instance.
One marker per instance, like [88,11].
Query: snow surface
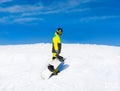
[87,68]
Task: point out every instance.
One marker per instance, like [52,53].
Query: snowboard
[51,68]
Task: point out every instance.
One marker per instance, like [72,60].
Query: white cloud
[27,12]
[20,9]
[55,7]
[3,20]
[68,6]
[18,19]
[24,20]
[77,10]
[4,1]
[94,18]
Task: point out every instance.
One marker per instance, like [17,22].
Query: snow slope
[87,68]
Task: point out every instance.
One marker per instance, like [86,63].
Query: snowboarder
[56,47]
[56,43]
[57,60]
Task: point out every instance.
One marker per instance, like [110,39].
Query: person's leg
[54,56]
[56,70]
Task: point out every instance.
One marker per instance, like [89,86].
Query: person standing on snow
[56,44]
[56,49]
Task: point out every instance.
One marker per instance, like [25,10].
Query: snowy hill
[87,68]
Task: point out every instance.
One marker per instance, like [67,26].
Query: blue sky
[83,21]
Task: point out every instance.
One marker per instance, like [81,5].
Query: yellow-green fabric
[56,40]
[56,44]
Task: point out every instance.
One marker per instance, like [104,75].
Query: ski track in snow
[87,68]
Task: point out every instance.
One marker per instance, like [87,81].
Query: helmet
[59,31]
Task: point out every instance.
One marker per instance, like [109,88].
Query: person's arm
[55,42]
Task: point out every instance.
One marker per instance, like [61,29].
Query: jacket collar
[56,34]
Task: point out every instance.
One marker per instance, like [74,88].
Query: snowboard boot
[60,58]
[51,67]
